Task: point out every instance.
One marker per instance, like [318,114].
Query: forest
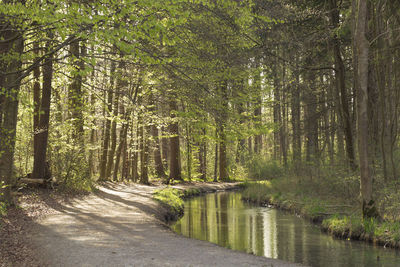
[305,93]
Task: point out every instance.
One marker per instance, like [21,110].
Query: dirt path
[122,226]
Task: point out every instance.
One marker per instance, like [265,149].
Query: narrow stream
[224,219]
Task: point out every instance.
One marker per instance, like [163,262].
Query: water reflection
[224,219]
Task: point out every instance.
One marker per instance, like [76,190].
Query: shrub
[259,168]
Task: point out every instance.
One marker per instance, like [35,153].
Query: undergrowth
[3,205]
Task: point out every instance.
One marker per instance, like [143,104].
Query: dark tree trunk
[39,158]
[159,167]
[203,156]
[341,87]
[75,96]
[174,148]
[36,101]
[216,156]
[10,82]
[296,124]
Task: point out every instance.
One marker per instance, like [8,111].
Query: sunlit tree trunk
[118,89]
[106,137]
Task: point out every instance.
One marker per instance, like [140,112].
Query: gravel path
[121,225]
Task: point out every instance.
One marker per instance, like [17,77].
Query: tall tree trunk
[277,114]
[36,100]
[222,120]
[296,124]
[111,152]
[362,49]
[203,156]
[174,148]
[216,156]
[75,96]
[311,120]
[10,82]
[341,86]
[107,128]
[144,155]
[258,110]
[135,174]
[121,145]
[158,164]
[40,168]
[164,147]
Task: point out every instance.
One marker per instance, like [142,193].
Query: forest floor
[118,225]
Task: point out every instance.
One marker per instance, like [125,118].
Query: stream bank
[340,220]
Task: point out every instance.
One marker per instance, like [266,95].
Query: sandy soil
[121,225]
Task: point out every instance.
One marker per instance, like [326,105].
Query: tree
[362,49]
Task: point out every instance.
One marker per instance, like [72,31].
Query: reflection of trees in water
[224,219]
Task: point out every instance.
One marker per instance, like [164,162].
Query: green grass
[172,198]
[191,192]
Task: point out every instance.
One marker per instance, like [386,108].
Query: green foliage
[3,206]
[191,192]
[259,168]
[259,192]
[172,198]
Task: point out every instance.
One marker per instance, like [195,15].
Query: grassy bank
[173,197]
[335,213]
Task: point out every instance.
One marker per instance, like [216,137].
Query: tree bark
[174,148]
[341,86]
[106,138]
[362,49]
[10,82]
[75,96]
[39,162]
[111,152]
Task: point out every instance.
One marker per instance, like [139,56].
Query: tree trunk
[165,147]
[203,156]
[341,87]
[296,124]
[311,120]
[174,148]
[216,156]
[111,152]
[222,120]
[75,96]
[144,155]
[362,48]
[158,164]
[121,145]
[36,101]
[10,82]
[106,138]
[40,170]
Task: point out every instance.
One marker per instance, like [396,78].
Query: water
[224,219]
